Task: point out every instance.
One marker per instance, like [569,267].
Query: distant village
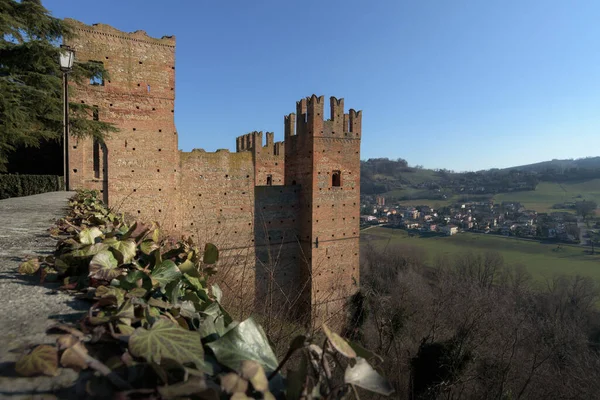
[506,218]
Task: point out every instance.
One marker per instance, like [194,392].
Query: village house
[449,229]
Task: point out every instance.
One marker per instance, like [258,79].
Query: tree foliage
[31,104]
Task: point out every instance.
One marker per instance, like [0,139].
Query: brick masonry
[284,214]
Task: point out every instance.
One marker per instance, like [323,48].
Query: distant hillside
[397,179]
[585,163]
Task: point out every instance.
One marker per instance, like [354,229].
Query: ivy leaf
[247,341]
[104,266]
[364,376]
[165,273]
[167,340]
[136,279]
[189,268]
[148,246]
[106,291]
[211,254]
[125,329]
[43,360]
[217,292]
[338,343]
[174,291]
[156,235]
[29,267]
[75,357]
[124,251]
[89,235]
[89,250]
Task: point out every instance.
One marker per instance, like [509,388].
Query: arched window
[269,180]
[336,178]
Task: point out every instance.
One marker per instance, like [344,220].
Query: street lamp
[67,55]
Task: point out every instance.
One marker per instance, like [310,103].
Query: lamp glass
[66,59]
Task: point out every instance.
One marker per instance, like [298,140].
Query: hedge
[25,185]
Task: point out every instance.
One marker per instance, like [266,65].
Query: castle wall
[285,215]
[217,206]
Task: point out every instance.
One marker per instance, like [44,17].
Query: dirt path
[26,308]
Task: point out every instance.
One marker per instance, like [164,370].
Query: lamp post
[66,64]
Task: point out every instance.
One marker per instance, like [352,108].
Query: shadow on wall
[282,281]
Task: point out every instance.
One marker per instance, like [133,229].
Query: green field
[547,194]
[540,259]
[541,200]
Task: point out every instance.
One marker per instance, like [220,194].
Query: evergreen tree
[31,104]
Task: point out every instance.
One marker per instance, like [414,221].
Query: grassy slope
[541,200]
[540,259]
[547,194]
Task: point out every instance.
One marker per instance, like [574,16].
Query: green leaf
[126,312]
[29,267]
[195,283]
[156,235]
[104,266]
[159,303]
[165,273]
[173,291]
[89,250]
[189,268]
[133,278]
[247,341]
[217,292]
[148,246]
[129,231]
[124,250]
[364,376]
[211,254]
[106,291]
[338,343]
[43,360]
[167,340]
[193,297]
[89,235]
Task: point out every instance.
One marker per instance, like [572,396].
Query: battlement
[110,32]
[309,119]
[253,141]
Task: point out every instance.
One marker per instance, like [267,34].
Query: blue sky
[463,85]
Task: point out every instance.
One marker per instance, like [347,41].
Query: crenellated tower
[323,159]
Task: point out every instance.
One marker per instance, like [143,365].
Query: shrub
[25,185]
